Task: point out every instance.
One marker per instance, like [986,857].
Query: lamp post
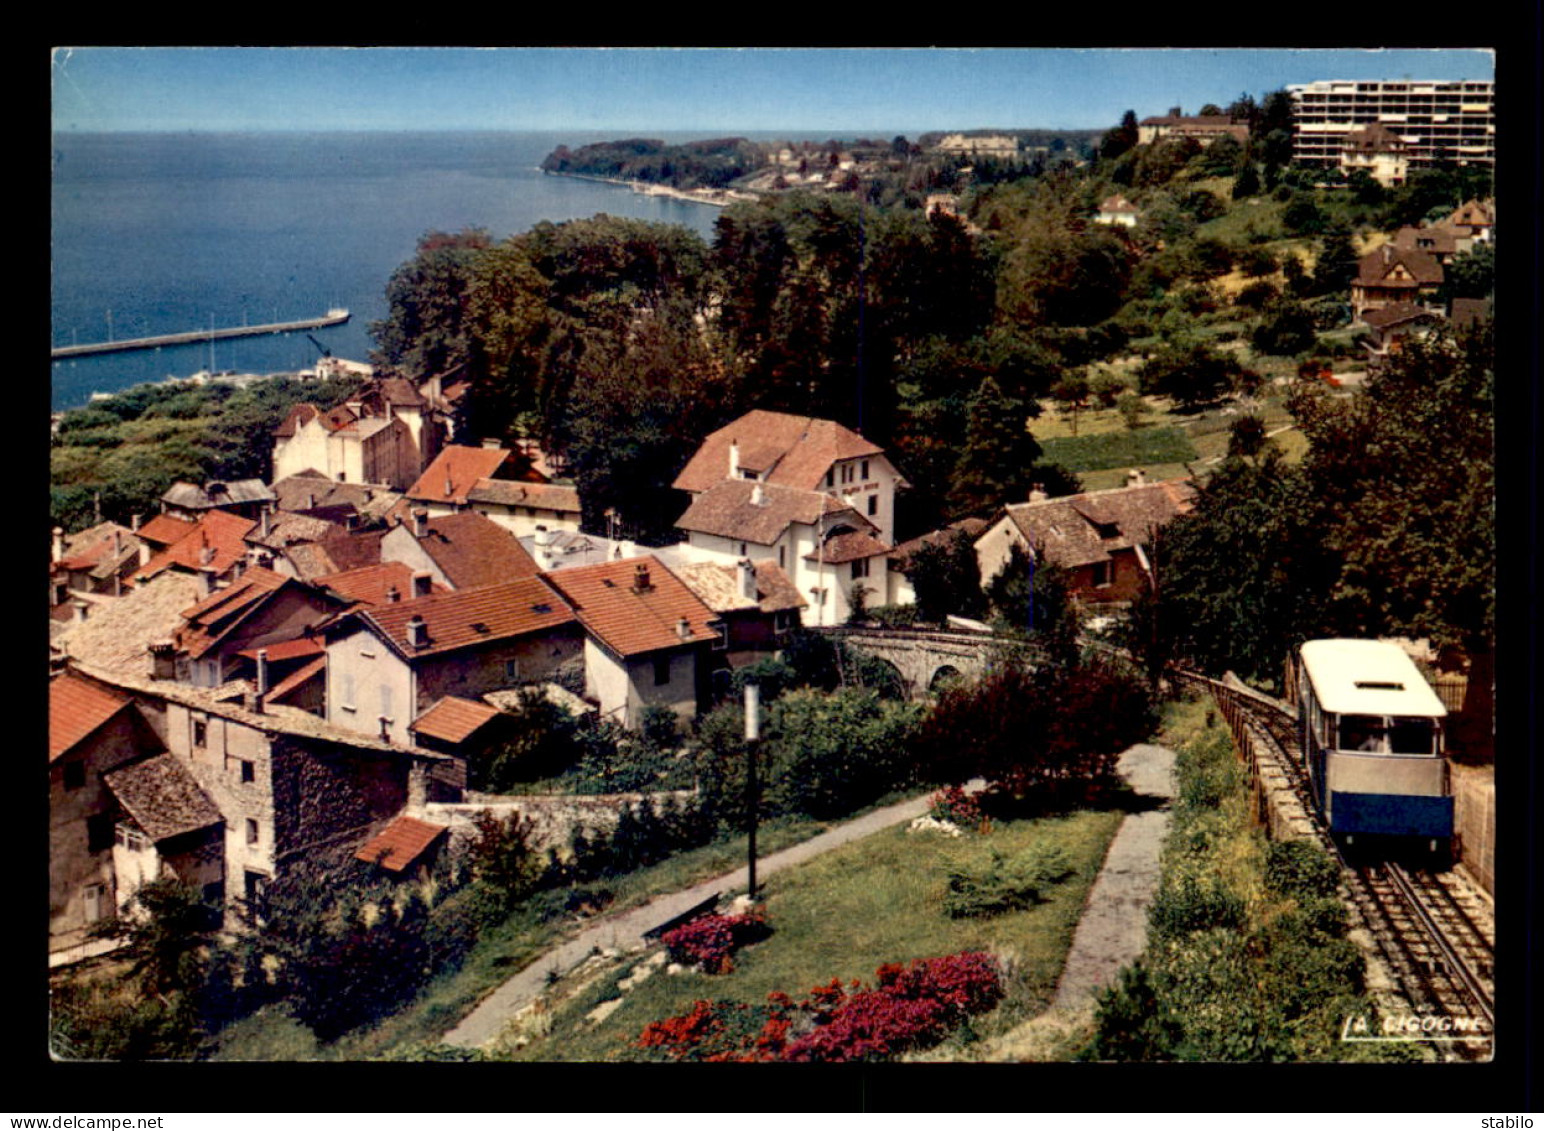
[752,740]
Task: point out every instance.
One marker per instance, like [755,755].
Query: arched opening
[945,675]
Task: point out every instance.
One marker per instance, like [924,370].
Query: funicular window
[1384,735]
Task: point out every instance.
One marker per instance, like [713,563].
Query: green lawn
[272,1034]
[846,913]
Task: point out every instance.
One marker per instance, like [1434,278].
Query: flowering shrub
[954,805]
[932,824]
[708,941]
[910,1007]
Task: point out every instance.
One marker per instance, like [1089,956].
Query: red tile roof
[370,584]
[166,529]
[454,472]
[453,719]
[472,550]
[1375,268]
[792,451]
[214,616]
[469,617]
[76,709]
[400,843]
[627,618]
[288,649]
[1068,530]
[218,530]
[296,679]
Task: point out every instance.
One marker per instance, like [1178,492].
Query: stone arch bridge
[922,659]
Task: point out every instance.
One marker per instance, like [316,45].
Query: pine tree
[998,454]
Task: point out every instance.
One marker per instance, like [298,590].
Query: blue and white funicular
[1372,740]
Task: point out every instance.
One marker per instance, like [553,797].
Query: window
[742,549]
[346,691]
[819,595]
[74,774]
[722,643]
[831,477]
[661,671]
[511,669]
[248,771]
[782,620]
[864,473]
[252,830]
[782,557]
[386,699]
[1101,572]
[200,730]
[131,839]
[99,832]
[860,568]
[255,884]
[873,504]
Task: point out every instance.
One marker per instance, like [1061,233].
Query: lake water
[160,233]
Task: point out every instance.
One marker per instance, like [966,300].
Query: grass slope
[875,901]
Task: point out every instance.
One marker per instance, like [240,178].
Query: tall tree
[998,455]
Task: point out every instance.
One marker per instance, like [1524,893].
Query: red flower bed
[911,1007]
[709,941]
[954,804]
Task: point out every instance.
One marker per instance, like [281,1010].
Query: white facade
[624,687]
[368,681]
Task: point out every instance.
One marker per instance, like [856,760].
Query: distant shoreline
[714,198]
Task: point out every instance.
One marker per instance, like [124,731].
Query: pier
[331,318]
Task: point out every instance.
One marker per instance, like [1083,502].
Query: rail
[1440,959]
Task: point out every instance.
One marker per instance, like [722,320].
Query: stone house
[166,827]
[1203,128]
[1101,538]
[288,787]
[92,730]
[647,637]
[98,560]
[210,549]
[387,664]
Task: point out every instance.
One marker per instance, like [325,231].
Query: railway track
[1432,929]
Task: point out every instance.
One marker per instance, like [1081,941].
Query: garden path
[625,931]
[1113,930]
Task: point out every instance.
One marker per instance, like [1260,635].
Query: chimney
[641,582]
[205,581]
[1136,477]
[266,516]
[262,679]
[392,596]
[758,495]
[423,583]
[491,444]
[163,660]
[734,459]
[58,543]
[134,521]
[747,578]
[311,501]
[1037,493]
[683,629]
[421,523]
[81,609]
[417,632]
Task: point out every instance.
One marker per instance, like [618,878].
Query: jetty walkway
[331,318]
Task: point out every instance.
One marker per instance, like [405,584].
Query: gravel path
[625,931]
[1113,929]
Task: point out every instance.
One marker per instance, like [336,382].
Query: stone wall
[554,816]
[1474,818]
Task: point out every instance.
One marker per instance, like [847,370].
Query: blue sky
[712,90]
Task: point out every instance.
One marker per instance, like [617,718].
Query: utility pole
[752,740]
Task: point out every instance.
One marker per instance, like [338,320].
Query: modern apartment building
[1436,121]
